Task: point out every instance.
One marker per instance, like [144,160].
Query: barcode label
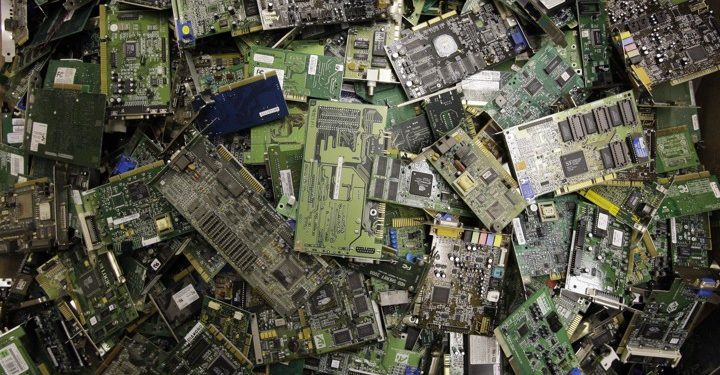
[185,296]
[714,187]
[265,59]
[12,361]
[312,65]
[338,178]
[39,135]
[286,181]
[270,111]
[517,229]
[65,76]
[17,165]
[673,230]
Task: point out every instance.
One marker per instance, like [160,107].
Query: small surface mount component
[673,41]
[245,230]
[530,94]
[134,62]
[534,338]
[278,15]
[463,285]
[577,148]
[127,214]
[542,236]
[462,44]
[656,334]
[480,180]
[414,184]
[342,142]
[301,75]
[195,19]
[598,265]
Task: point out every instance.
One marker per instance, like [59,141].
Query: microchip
[697,53]
[199,346]
[89,283]
[355,281]
[130,49]
[523,330]
[221,366]
[565,132]
[360,303]
[553,64]
[590,125]
[361,43]
[440,294]
[379,188]
[421,184]
[392,190]
[533,87]
[653,331]
[138,191]
[395,168]
[381,166]
[365,330]
[554,321]
[565,77]
[489,176]
[342,337]
[574,164]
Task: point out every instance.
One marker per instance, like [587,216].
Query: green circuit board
[206,260]
[289,132]
[690,240]
[13,164]
[135,62]
[53,119]
[14,357]
[415,184]
[127,214]
[691,194]
[675,149]
[278,339]
[534,338]
[333,215]
[74,75]
[542,235]
[216,70]
[285,166]
[195,19]
[301,75]
[480,180]
[530,94]
[365,57]
[594,39]
[233,322]
[634,206]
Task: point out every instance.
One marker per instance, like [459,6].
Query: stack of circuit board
[358,187]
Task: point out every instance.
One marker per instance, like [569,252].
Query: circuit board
[195,19]
[151,4]
[542,235]
[284,14]
[599,256]
[333,216]
[134,62]
[101,301]
[53,120]
[463,45]
[480,180]
[691,194]
[33,218]
[464,280]
[665,41]
[415,184]
[127,214]
[577,148]
[534,339]
[634,206]
[139,151]
[285,167]
[529,95]
[301,75]
[206,261]
[13,164]
[216,70]
[245,230]
[675,150]
[341,314]
[205,350]
[289,132]
[594,38]
[133,355]
[411,135]
[445,112]
[14,357]
[656,334]
[73,75]
[690,240]
[233,322]
[365,58]
[280,339]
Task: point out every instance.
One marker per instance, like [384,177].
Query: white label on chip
[64,76]
[335,363]
[17,165]
[196,330]
[125,219]
[338,178]
[149,241]
[339,67]
[286,181]
[39,135]
[44,211]
[696,123]
[15,137]
[238,315]
[673,230]
[265,59]
[517,229]
[549,4]
[486,75]
[714,187]
[12,361]
[93,320]
[270,111]
[565,76]
[312,65]
[319,341]
[602,222]
[185,296]
[278,72]
[18,122]
[483,350]
[617,238]
[402,358]
[155,264]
